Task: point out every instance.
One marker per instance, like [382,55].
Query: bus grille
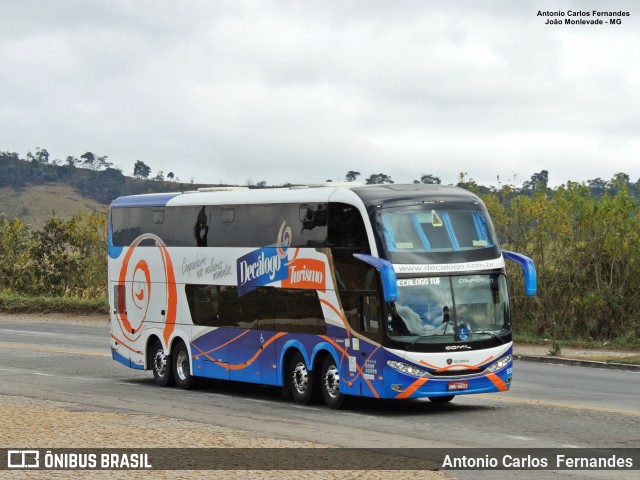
[457,373]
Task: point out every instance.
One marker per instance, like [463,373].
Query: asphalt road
[548,406]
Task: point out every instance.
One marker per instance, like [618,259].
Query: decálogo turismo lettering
[262,266]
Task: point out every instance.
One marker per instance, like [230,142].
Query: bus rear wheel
[182,367]
[330,384]
[161,365]
[445,399]
[303,389]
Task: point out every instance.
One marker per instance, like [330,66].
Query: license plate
[458,385]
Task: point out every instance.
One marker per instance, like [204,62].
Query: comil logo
[23,459]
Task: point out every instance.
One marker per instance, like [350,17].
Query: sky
[304,91]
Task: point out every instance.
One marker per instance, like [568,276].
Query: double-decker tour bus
[329,291]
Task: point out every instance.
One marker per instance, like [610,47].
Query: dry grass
[628,360]
[36,203]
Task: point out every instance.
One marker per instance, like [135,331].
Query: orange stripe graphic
[344,321]
[125,345]
[359,370]
[223,345]
[497,381]
[238,366]
[412,388]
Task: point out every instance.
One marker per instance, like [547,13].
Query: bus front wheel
[301,380]
[182,367]
[330,384]
[161,365]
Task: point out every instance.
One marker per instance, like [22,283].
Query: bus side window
[119,298]
[229,308]
[370,317]
[201,229]
[264,308]
[308,223]
[203,304]
[346,227]
[228,215]
[298,311]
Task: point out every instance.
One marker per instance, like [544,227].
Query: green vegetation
[18,303]
[583,238]
[631,360]
[587,254]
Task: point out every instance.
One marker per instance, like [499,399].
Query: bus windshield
[451,308]
[425,228]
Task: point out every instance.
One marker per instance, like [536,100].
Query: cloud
[305,91]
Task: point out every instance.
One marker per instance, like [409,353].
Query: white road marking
[24,332]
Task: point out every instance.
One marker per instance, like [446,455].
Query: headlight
[406,368]
[500,364]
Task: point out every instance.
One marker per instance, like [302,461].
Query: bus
[330,291]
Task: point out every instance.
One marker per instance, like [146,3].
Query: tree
[159,176]
[42,155]
[538,182]
[430,179]
[102,162]
[466,182]
[378,179]
[16,267]
[141,169]
[89,160]
[597,186]
[170,176]
[351,176]
[619,182]
[72,161]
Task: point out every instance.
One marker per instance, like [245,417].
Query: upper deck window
[435,229]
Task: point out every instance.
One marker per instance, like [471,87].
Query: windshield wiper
[491,334]
[418,338]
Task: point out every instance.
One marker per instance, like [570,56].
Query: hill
[31,190]
[34,204]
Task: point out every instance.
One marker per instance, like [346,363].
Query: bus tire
[182,367]
[161,365]
[445,399]
[301,381]
[330,384]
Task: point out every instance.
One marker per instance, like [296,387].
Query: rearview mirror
[387,273]
[528,268]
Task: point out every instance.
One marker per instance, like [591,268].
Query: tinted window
[129,223]
[191,226]
[298,311]
[236,225]
[246,225]
[425,229]
[308,224]
[219,306]
[266,308]
[203,304]
[119,299]
[360,300]
[346,227]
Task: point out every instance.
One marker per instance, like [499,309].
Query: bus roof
[369,195]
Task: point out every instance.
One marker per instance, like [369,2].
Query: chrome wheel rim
[300,378]
[160,363]
[332,381]
[182,366]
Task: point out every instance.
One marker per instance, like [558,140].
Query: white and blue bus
[329,291]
